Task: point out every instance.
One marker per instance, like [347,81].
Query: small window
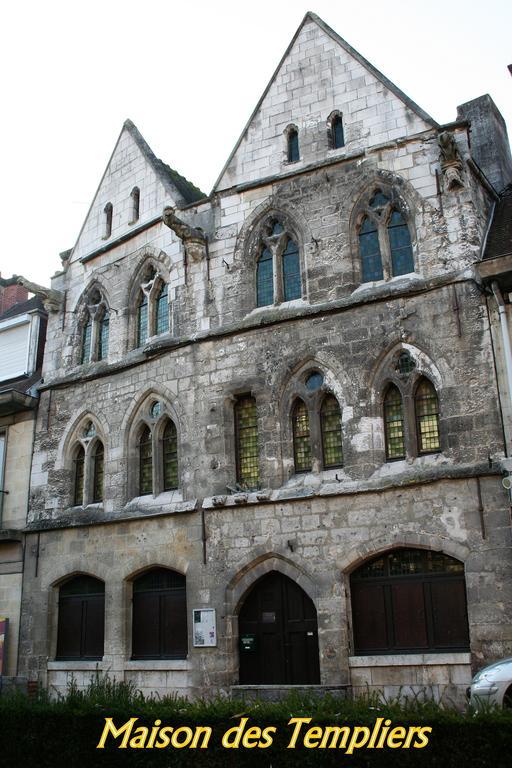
[293,145]
[247,449]
[108,212]
[162,311]
[159,620]
[142,320]
[301,437]
[338,138]
[170,456]
[103,335]
[86,340]
[426,406]
[97,458]
[265,279]
[330,424]
[135,202]
[394,423]
[145,462]
[79,475]
[314,381]
[291,272]
[405,364]
[81,624]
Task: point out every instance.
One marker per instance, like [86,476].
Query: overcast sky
[189,74]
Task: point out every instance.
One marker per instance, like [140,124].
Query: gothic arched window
[145,462]
[426,406]
[293,154]
[107,213]
[394,423]
[335,134]
[95,327]
[247,447]
[301,437]
[330,427]
[278,271]
[151,306]
[135,204]
[385,246]
[156,446]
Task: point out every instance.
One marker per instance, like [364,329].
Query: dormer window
[135,205]
[107,212]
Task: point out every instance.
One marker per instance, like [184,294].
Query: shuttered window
[80,633]
[409,601]
[159,621]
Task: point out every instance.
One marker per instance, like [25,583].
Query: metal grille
[145,463]
[86,341]
[330,420]
[103,336]
[301,438]
[98,473]
[79,477]
[265,279]
[247,450]
[427,417]
[394,423]
[291,272]
[170,456]
[371,260]
[402,261]
[162,311]
[142,320]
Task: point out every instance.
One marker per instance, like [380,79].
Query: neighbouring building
[270,449]
[22,336]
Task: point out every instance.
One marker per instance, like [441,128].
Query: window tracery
[278,271]
[88,466]
[156,445]
[152,307]
[95,327]
[385,246]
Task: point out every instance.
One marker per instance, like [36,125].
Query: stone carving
[193,238]
[52,300]
[451,161]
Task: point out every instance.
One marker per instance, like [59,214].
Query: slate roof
[22,307]
[499,238]
[171,179]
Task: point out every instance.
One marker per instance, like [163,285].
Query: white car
[492,686]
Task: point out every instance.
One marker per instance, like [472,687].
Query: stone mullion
[156,461]
[88,474]
[411,448]
[315,433]
[277,273]
[94,315]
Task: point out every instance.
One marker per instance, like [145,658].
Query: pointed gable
[320,73]
[132,165]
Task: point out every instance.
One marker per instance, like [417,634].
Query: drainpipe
[505,334]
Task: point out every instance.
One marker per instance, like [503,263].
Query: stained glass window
[265,279]
[291,272]
[162,311]
[301,437]
[371,260]
[394,424]
[170,456]
[145,462]
[427,417]
[330,423]
[79,476]
[86,340]
[103,336]
[247,450]
[402,261]
[98,472]
[293,146]
[142,320]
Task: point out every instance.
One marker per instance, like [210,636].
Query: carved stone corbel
[52,300]
[193,238]
[451,161]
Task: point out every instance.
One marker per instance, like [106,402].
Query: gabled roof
[499,238]
[170,178]
[310,16]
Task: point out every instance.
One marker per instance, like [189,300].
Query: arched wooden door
[278,634]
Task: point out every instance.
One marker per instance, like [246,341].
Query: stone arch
[292,216]
[179,565]
[244,579]
[382,372]
[70,436]
[132,414]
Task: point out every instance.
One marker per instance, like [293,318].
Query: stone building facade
[278,402]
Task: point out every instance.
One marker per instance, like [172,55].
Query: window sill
[74,664]
[431,658]
[165,665]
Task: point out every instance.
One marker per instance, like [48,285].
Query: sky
[189,75]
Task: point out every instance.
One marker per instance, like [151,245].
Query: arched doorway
[278,634]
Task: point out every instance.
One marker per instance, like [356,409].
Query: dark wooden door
[278,634]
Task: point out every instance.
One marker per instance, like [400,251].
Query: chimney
[11,293]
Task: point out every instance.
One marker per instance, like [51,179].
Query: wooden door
[278,634]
